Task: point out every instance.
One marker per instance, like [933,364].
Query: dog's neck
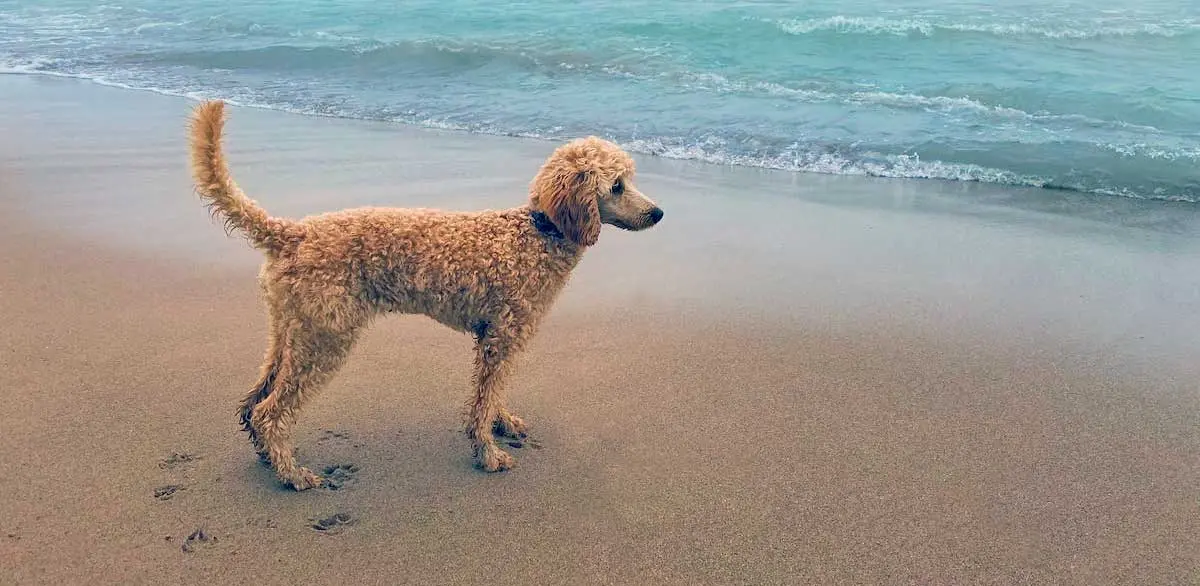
[543,224]
[560,248]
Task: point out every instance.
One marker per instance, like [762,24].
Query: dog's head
[589,182]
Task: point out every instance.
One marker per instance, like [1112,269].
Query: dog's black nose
[656,214]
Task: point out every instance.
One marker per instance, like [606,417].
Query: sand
[794,379]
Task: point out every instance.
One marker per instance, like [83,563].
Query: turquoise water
[1099,97]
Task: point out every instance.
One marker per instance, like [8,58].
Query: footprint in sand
[198,538]
[178,460]
[261,523]
[332,524]
[520,443]
[339,475]
[328,435]
[331,435]
[164,493]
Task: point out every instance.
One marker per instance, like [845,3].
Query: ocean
[1100,97]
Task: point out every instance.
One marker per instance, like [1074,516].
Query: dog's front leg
[495,348]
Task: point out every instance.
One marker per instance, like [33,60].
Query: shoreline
[194,98]
[1007,202]
[789,380]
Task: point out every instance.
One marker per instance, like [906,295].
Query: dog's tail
[220,192]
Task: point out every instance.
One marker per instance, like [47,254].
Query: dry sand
[794,379]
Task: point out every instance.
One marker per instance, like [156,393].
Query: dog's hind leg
[261,389]
[310,354]
[257,393]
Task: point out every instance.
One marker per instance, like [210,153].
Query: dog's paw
[303,479]
[509,425]
[493,459]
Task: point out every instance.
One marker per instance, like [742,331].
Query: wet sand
[794,379]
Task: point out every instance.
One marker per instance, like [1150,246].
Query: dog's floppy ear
[569,199]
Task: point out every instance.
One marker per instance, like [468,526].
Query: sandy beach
[793,379]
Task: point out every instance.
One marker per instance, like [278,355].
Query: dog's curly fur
[492,274]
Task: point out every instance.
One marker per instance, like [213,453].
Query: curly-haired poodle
[492,274]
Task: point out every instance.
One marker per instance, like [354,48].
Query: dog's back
[458,267]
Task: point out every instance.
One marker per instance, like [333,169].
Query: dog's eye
[618,188]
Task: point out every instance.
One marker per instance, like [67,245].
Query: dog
[491,274]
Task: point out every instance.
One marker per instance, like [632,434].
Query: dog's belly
[454,307]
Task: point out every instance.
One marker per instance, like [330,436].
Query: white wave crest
[854,24]
[147,26]
[719,83]
[1155,152]
[800,158]
[927,28]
